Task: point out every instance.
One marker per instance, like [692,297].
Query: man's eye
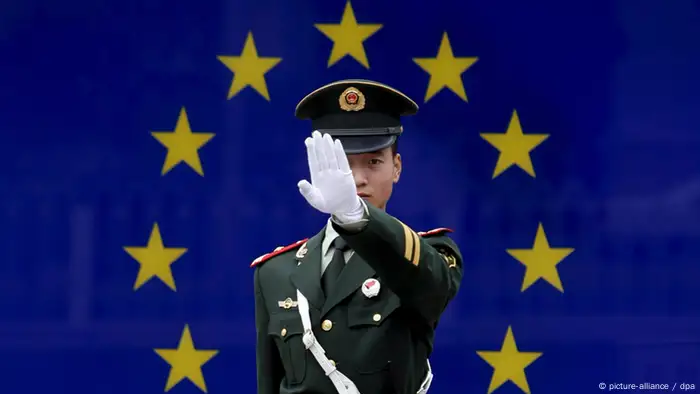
[375,162]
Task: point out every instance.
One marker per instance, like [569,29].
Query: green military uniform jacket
[380,343]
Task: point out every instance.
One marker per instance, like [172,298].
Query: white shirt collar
[328,238]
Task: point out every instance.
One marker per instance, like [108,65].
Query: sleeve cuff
[353,224]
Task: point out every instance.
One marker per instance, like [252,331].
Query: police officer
[354,308]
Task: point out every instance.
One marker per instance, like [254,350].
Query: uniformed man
[354,308]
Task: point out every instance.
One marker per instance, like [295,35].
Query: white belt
[341,382]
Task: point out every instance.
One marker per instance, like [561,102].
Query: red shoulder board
[435,231]
[278,250]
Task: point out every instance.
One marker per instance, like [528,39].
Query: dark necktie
[332,272]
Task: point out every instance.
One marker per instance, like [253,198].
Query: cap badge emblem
[352,100]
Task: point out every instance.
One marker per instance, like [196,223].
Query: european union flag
[150,153]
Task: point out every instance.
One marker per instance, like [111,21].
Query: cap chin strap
[341,382]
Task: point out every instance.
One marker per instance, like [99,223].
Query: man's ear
[398,166]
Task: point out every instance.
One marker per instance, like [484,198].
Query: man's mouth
[363,195]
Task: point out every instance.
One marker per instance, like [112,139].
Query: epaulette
[435,231]
[278,250]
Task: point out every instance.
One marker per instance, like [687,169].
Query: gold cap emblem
[352,100]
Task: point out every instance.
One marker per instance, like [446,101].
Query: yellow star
[509,364]
[445,70]
[186,362]
[514,147]
[348,37]
[541,261]
[182,145]
[155,260]
[249,69]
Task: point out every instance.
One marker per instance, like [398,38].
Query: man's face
[375,174]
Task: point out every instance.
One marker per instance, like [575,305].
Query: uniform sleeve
[269,367]
[424,272]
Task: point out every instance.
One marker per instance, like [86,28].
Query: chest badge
[286,304]
[370,287]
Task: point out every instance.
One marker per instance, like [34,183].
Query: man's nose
[360,178]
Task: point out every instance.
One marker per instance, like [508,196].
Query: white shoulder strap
[341,382]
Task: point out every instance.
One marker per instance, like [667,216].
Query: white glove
[332,189]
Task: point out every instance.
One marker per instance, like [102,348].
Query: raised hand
[332,188]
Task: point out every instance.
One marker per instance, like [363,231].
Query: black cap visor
[356,145]
[365,141]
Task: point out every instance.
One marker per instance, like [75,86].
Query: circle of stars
[445,73]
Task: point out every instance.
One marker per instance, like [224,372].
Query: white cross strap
[341,382]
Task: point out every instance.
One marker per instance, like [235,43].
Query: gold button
[284,332]
[327,325]
[332,362]
[377,317]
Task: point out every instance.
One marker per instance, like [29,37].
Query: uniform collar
[329,236]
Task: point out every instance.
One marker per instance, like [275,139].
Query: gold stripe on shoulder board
[411,250]
[408,242]
[416,249]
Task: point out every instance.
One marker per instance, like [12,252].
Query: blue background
[614,83]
